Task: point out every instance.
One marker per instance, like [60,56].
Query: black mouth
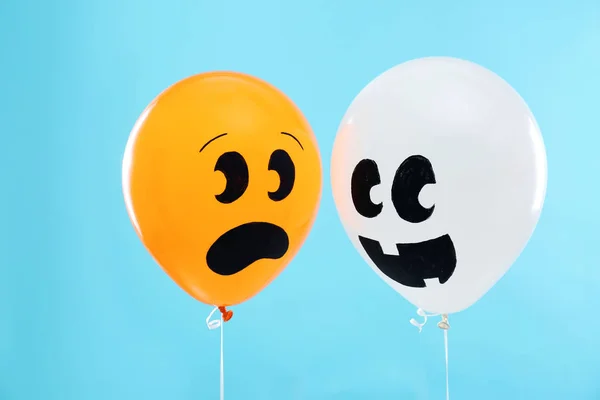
[435,258]
[241,246]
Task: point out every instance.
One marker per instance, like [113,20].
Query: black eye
[281,163]
[364,178]
[235,169]
[414,173]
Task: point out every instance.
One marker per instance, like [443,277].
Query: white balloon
[439,176]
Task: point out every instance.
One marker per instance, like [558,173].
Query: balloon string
[446,351]
[222,369]
[216,324]
[424,315]
[444,325]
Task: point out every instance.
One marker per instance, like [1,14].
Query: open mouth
[415,262]
[243,245]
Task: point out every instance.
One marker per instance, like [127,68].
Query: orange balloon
[222,181]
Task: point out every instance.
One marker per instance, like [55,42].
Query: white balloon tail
[418,325]
[424,315]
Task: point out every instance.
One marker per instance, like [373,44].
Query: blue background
[86,314]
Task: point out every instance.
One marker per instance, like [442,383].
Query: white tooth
[389,248]
[432,282]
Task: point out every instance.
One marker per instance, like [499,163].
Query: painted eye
[412,175]
[281,163]
[235,169]
[364,178]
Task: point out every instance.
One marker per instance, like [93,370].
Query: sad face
[222,179]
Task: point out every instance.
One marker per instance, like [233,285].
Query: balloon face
[439,175]
[222,181]
[415,262]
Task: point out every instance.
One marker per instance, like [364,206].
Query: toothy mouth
[415,262]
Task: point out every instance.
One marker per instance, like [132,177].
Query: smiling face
[438,174]
[415,262]
[233,174]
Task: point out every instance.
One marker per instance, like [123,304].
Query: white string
[222,369]
[216,324]
[442,325]
[446,351]
[423,314]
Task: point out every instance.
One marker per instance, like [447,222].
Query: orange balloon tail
[225,313]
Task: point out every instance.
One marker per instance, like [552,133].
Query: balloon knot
[225,313]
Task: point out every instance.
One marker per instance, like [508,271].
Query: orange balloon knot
[225,313]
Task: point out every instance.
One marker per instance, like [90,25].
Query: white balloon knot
[444,324]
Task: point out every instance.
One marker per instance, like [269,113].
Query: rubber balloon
[222,181]
[439,176]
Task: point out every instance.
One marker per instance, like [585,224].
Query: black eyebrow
[293,137]
[212,140]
